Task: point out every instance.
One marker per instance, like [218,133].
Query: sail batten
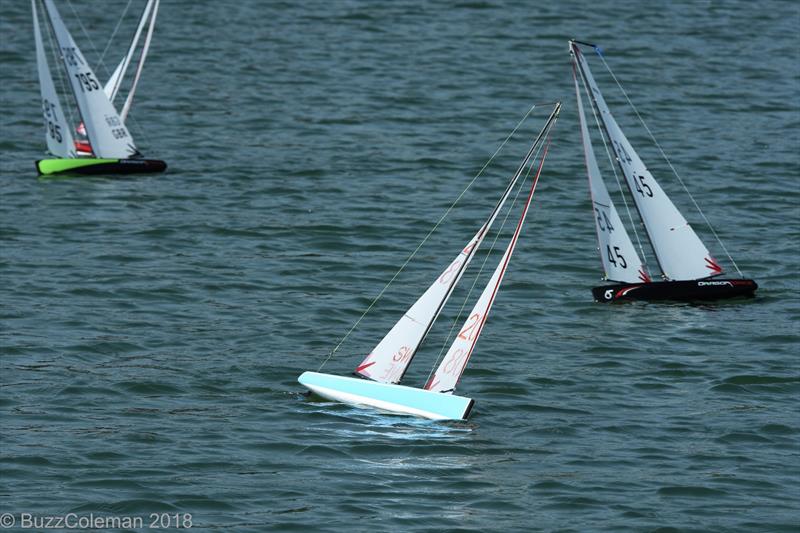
[679,252]
[107,133]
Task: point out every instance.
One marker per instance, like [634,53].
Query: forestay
[455,361]
[57,130]
[680,253]
[617,253]
[107,133]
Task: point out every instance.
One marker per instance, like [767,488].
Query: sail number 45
[616,258]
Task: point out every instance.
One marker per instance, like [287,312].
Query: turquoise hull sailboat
[377,384]
[388,397]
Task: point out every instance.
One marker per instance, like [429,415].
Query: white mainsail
[680,253]
[617,253]
[455,361]
[57,130]
[107,132]
[388,361]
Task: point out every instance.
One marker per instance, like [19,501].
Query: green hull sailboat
[109,147]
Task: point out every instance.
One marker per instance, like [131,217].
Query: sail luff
[391,357]
[114,83]
[107,133]
[145,48]
[57,130]
[617,253]
[454,363]
[678,250]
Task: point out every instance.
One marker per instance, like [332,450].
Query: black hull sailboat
[689,290]
[688,270]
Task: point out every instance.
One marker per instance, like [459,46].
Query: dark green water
[153,328]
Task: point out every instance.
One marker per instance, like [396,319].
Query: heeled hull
[387,397]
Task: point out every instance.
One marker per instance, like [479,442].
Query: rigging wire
[88,37]
[669,163]
[425,239]
[614,169]
[116,29]
[457,319]
[140,132]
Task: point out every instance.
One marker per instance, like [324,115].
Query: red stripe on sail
[366,365]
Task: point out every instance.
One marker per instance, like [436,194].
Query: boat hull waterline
[93,166]
[687,290]
[387,397]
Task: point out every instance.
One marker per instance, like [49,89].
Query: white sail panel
[112,86]
[389,359]
[57,129]
[680,253]
[107,133]
[617,253]
[455,361]
[145,48]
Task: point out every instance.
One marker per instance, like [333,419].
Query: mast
[451,368]
[550,120]
[617,254]
[390,358]
[145,48]
[57,130]
[115,81]
[107,133]
[593,100]
[680,253]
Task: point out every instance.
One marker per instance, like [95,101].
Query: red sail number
[453,364]
[402,354]
[451,271]
[471,330]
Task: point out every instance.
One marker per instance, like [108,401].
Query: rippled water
[153,328]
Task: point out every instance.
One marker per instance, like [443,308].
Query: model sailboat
[688,270]
[379,374]
[110,149]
